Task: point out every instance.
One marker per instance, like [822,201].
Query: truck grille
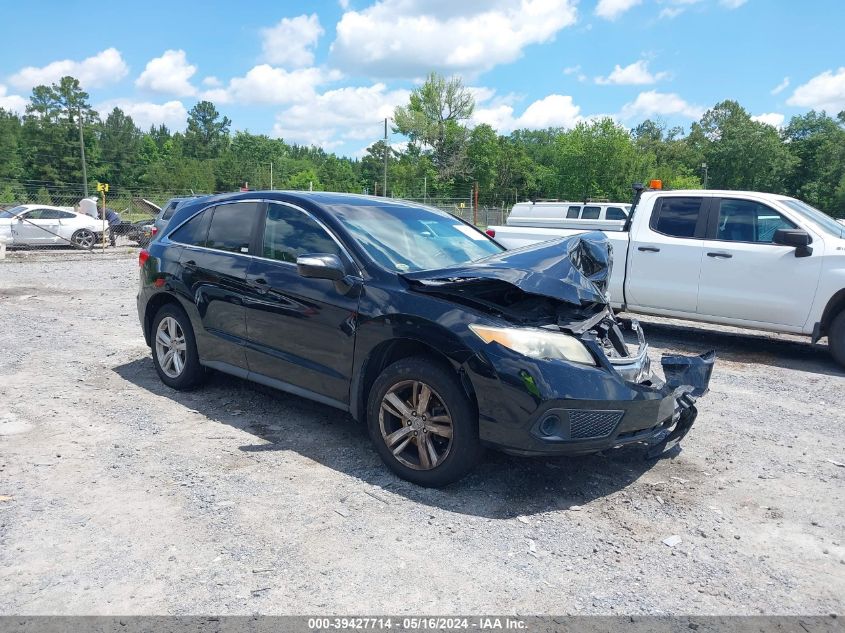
[589,424]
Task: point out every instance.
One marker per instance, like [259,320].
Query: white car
[40,225]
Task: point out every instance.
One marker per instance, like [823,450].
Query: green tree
[208,132]
[817,141]
[120,144]
[11,165]
[436,119]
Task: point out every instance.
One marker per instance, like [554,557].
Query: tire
[84,239]
[447,427]
[180,370]
[836,338]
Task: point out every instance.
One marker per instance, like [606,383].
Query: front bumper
[536,407]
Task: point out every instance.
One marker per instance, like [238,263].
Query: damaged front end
[560,287]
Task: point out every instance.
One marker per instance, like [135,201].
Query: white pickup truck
[737,258]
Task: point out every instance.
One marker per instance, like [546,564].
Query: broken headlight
[536,343]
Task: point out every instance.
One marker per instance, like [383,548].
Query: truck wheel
[836,338]
[422,423]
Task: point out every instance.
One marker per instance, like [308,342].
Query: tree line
[445,156]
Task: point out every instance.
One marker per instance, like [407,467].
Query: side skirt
[261,379]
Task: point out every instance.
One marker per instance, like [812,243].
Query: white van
[589,216]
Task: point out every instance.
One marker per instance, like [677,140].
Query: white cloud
[291,42]
[823,92]
[636,74]
[553,110]
[676,7]
[12,103]
[212,82]
[268,84]
[169,74]
[336,116]
[781,86]
[732,4]
[98,70]
[653,103]
[409,38]
[612,9]
[172,114]
[775,119]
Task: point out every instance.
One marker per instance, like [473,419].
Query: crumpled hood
[573,269]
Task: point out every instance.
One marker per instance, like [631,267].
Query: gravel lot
[121,496]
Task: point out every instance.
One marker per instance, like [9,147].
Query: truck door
[665,255]
[745,276]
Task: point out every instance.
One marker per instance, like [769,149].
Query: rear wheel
[422,423]
[175,349]
[836,338]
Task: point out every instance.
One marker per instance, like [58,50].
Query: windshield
[10,213]
[819,218]
[407,239]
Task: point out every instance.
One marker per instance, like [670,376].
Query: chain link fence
[58,222]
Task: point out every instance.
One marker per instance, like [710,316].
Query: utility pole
[704,167]
[384,192]
[271,175]
[425,188]
[82,151]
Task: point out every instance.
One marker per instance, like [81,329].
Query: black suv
[412,321]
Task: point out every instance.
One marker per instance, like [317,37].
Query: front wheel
[422,424]
[83,238]
[836,338]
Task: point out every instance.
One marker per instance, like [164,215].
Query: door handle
[649,249]
[720,255]
[260,285]
[190,265]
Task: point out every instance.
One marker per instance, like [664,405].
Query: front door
[665,256]
[301,331]
[745,276]
[38,226]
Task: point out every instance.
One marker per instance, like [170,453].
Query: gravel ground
[121,496]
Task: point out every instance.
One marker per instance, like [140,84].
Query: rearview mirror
[797,238]
[320,266]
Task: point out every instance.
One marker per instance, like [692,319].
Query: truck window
[591,213]
[748,221]
[615,213]
[676,217]
[573,213]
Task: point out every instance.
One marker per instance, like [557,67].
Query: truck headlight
[536,343]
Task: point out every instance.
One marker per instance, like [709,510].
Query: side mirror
[320,266]
[796,238]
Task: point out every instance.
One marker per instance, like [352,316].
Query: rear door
[665,255]
[213,267]
[301,331]
[745,276]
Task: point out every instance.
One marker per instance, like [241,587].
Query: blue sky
[326,73]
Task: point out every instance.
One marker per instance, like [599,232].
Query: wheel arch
[155,304]
[390,351]
[834,306]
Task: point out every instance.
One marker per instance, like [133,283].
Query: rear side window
[615,213]
[591,213]
[169,209]
[232,226]
[193,232]
[289,233]
[677,217]
[573,213]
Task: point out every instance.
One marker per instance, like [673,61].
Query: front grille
[588,424]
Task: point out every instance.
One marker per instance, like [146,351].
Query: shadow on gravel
[749,348]
[501,486]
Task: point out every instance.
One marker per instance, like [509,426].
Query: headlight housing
[536,343]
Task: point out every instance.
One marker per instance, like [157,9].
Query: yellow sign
[102,186]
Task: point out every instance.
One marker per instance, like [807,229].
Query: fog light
[549,425]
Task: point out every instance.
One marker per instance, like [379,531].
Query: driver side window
[289,233]
[748,221]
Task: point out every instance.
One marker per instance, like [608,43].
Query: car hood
[573,269]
